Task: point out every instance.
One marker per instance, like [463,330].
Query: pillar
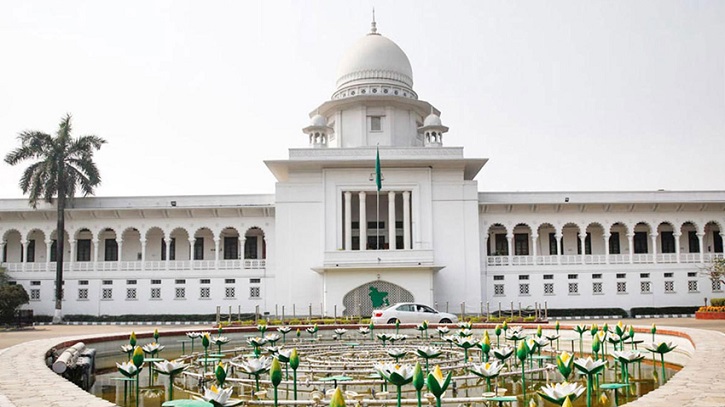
[606,247]
[510,242]
[216,252]
[48,246]
[191,252]
[167,242]
[582,242]
[630,241]
[653,238]
[348,221]
[143,254]
[677,245]
[559,247]
[406,221]
[23,254]
[120,251]
[363,221]
[391,220]
[95,250]
[701,241]
[72,255]
[534,246]
[2,248]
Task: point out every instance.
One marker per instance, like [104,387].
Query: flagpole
[378,186]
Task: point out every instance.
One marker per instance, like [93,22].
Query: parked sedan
[411,313]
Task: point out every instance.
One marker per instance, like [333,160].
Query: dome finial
[373,25]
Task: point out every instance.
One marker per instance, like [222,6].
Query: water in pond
[325,364]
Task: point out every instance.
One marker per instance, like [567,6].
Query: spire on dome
[373,25]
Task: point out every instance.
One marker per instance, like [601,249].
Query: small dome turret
[318,131]
[432,130]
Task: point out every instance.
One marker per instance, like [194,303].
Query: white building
[328,239]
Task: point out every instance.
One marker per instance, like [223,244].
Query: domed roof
[318,120]
[432,120]
[374,59]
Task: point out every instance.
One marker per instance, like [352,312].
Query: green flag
[378,175]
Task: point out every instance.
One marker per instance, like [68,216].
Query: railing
[598,259]
[107,266]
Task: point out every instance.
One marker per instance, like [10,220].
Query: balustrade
[110,266]
[598,259]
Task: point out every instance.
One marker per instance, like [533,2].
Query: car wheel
[392,320]
[445,321]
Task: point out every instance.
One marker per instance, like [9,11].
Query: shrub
[717,302]
[663,310]
[587,312]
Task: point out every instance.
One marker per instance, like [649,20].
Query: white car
[411,313]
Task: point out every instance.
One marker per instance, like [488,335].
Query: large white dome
[374,59]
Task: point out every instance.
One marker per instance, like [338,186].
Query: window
[597,288]
[30,256]
[199,248]
[111,250]
[694,241]
[205,281]
[130,282]
[596,276]
[255,280]
[716,286]
[498,290]
[229,292]
[548,276]
[172,249]
[107,282]
[155,293]
[250,247]
[35,282]
[498,278]
[155,282]
[614,243]
[83,250]
[621,287]
[573,276]
[552,244]
[180,293]
[691,274]
[205,293]
[376,123]
[643,275]
[180,281]
[640,242]
[82,282]
[107,294]
[254,292]
[229,281]
[502,245]
[523,277]
[717,241]
[521,244]
[669,286]
[82,293]
[692,286]
[667,240]
[645,287]
[573,288]
[131,293]
[669,275]
[621,275]
[231,248]
[35,294]
[53,250]
[524,289]
[548,288]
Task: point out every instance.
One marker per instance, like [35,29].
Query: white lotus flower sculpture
[558,393]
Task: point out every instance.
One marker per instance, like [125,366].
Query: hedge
[663,310]
[586,312]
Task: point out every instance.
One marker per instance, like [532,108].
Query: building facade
[330,241]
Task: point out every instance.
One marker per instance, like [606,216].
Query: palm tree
[61,164]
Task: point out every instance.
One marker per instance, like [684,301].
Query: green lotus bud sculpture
[437,384]
[275,376]
[294,363]
[418,381]
[565,363]
[485,346]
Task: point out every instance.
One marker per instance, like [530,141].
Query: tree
[11,297]
[61,165]
[715,271]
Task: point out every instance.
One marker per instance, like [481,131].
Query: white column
[363,221]
[559,247]
[582,242]
[606,247]
[534,246]
[143,254]
[701,240]
[348,221]
[391,220]
[48,246]
[2,247]
[72,255]
[191,252]
[510,242]
[677,245]
[486,237]
[243,242]
[630,241]
[653,238]
[95,250]
[240,250]
[167,242]
[406,220]
[120,252]
[216,252]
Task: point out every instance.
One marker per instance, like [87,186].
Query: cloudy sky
[193,96]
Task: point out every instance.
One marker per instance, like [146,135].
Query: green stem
[171,387]
[488,383]
[138,385]
[294,381]
[418,394]
[399,396]
[438,401]
[523,379]
[663,368]
[275,396]
[589,390]
[256,381]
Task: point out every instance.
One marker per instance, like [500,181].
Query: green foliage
[717,302]
[587,312]
[663,310]
[11,297]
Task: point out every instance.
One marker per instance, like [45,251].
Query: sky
[193,96]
